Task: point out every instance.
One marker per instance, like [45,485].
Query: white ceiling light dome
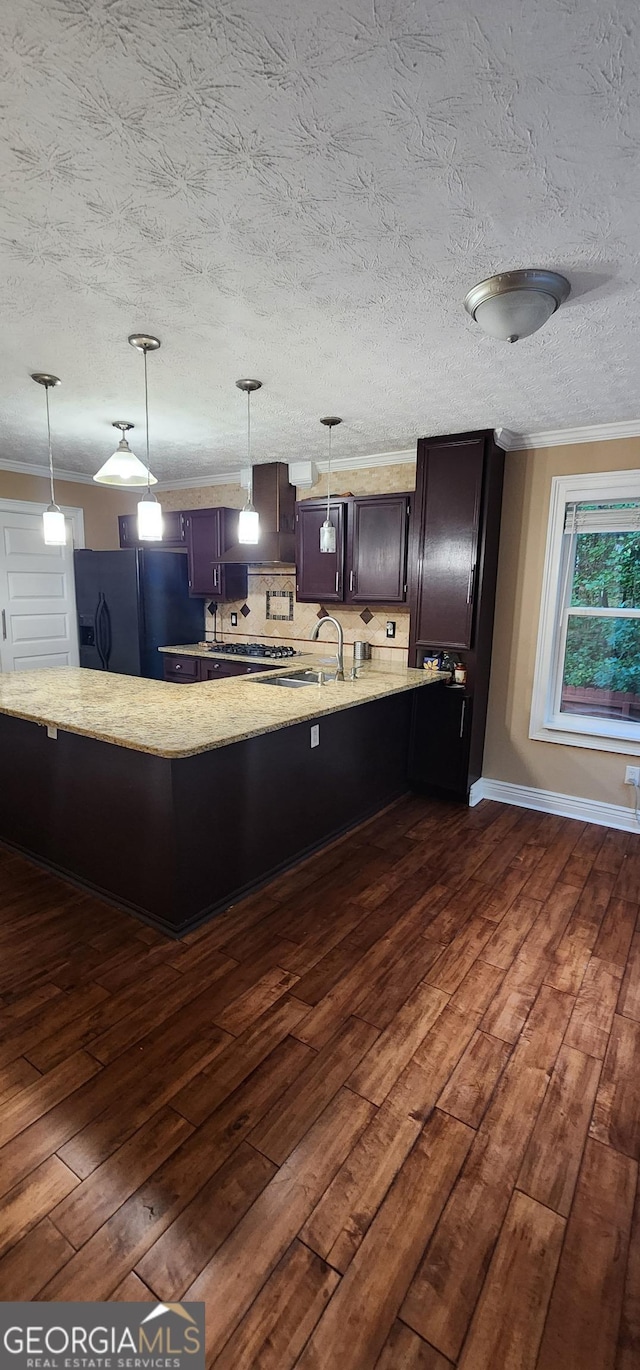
[515,304]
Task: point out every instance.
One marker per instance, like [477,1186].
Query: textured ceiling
[305,193]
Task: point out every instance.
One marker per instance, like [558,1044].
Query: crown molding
[408,454]
[24,468]
[505,438]
[561,437]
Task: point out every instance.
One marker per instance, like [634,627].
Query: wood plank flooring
[384,1113]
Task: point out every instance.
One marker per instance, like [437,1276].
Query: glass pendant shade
[124,468]
[249,525]
[149,519]
[55,528]
[327,537]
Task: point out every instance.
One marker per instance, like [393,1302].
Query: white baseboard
[549,801]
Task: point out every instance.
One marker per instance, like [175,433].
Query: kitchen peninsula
[174,802]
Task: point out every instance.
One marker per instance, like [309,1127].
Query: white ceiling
[304,192]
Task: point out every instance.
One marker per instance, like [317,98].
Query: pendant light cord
[146,417]
[249,449]
[46,395]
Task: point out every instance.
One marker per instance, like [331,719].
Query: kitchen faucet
[340,651]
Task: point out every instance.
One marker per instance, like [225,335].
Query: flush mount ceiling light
[123,468]
[54,527]
[327,530]
[515,304]
[249,519]
[149,510]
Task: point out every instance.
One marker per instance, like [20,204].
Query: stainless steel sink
[295,679]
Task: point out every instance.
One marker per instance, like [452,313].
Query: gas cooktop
[258,649]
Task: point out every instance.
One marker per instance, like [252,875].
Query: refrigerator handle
[99,629]
[108,634]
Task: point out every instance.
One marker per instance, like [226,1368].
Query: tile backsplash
[253,623]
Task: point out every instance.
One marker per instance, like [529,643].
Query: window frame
[547,724]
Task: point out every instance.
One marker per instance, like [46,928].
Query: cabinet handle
[462,714]
[337,581]
[177,668]
[351,582]
[472,575]
[4,625]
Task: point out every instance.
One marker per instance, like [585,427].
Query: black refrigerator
[130,603]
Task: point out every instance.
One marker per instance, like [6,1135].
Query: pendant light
[123,468]
[149,510]
[55,530]
[327,531]
[249,519]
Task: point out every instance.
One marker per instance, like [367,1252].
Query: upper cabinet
[448,510]
[377,549]
[174,531]
[369,565]
[205,535]
[319,575]
[209,532]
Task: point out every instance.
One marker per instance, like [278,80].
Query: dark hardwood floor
[384,1113]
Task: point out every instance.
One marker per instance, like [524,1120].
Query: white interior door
[37,592]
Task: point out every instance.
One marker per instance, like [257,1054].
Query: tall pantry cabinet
[453,559]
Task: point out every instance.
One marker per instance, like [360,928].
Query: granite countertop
[172,721]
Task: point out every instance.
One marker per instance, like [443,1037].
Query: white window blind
[584,518]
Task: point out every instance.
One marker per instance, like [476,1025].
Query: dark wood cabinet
[377,549]
[369,565]
[173,530]
[189,670]
[319,575]
[450,498]
[209,532]
[453,561]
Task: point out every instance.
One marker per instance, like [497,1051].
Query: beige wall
[510,755]
[204,497]
[101,506]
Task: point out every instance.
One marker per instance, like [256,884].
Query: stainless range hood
[275,500]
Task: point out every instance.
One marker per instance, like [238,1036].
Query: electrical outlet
[52,732]
[234,620]
[632,775]
[315,735]
[391,628]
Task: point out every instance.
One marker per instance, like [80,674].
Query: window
[587,679]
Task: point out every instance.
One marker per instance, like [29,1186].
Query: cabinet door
[203,546]
[377,557]
[450,496]
[319,575]
[440,740]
